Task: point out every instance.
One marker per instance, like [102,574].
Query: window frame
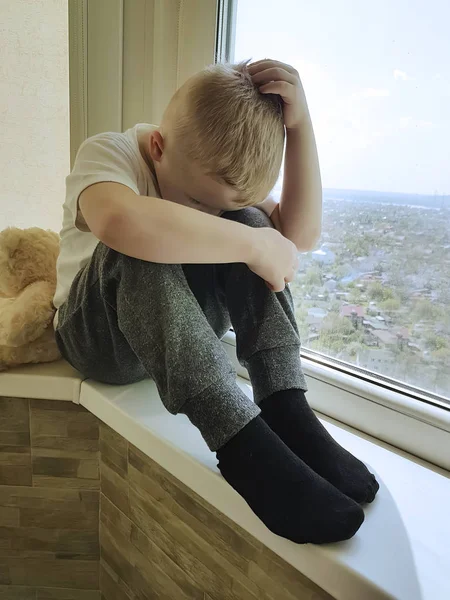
[407,423]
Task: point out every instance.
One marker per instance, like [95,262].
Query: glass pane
[34,112]
[376,292]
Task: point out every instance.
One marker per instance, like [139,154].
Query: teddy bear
[27,286]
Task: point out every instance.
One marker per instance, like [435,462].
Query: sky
[377,81]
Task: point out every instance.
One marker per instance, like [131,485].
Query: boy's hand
[275,258]
[274,77]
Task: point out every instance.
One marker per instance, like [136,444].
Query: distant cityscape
[376,292]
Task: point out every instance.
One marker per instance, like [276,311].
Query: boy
[150,279]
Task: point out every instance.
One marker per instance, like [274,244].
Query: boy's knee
[251,216]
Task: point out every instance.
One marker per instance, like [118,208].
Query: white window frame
[127,57]
[409,424]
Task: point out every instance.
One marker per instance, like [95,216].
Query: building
[353,312]
[324,256]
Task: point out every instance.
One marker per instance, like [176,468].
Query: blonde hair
[232,131]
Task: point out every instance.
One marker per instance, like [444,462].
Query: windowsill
[45,381]
[399,552]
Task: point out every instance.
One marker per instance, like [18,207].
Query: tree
[442,356]
[390,305]
[313,277]
[354,348]
[435,342]
[375,291]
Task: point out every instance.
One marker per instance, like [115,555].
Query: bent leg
[267,337]
[128,319]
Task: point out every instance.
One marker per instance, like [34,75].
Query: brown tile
[115,461]
[240,590]
[109,513]
[48,423]
[32,497]
[49,518]
[83,425]
[150,580]
[162,562]
[64,444]
[66,453]
[115,551]
[66,594]
[209,538]
[113,439]
[298,586]
[60,542]
[15,592]
[234,536]
[65,467]
[78,543]
[15,475]
[112,587]
[77,574]
[15,458]
[65,482]
[144,506]
[9,516]
[46,555]
[114,487]
[5,578]
[15,468]
[14,441]
[14,414]
[64,405]
[188,562]
[294,582]
[64,421]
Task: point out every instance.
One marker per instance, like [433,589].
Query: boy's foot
[289,415]
[290,499]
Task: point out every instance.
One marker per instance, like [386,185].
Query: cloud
[401,75]
[405,122]
[425,124]
[374,93]
[409,122]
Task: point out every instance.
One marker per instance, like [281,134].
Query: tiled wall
[161,540]
[158,539]
[49,501]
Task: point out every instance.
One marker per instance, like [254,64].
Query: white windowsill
[400,552]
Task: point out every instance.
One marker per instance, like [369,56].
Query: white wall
[34,112]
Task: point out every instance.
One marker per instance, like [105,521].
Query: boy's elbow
[306,241]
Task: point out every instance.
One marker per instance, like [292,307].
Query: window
[375,294]
[34,112]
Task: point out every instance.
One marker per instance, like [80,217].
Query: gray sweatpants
[127,319]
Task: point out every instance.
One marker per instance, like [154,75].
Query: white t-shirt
[107,156]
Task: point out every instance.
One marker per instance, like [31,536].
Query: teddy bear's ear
[26,256]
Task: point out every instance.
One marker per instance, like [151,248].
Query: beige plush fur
[27,285]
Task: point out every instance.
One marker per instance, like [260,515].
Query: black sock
[290,499]
[290,416]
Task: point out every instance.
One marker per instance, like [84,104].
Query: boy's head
[220,144]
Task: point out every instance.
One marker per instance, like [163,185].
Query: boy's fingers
[282,88]
[266,63]
[273,74]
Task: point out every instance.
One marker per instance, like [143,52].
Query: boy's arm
[157,230]
[271,207]
[299,214]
